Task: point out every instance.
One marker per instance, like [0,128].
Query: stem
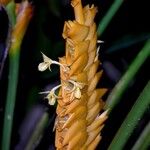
[126,79]
[59,64]
[108,17]
[10,101]
[18,31]
[12,85]
[131,120]
[11,13]
[143,141]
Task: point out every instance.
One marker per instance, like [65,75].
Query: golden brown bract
[79,121]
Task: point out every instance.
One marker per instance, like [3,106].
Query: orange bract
[79,121]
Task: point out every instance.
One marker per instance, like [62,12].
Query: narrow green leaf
[122,85]
[131,120]
[10,101]
[10,8]
[127,41]
[108,17]
[143,141]
[38,132]
[12,86]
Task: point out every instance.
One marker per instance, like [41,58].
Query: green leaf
[127,41]
[117,92]
[143,141]
[131,120]
[38,131]
[108,17]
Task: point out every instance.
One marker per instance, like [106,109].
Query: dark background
[123,39]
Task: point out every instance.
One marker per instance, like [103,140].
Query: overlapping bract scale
[80,119]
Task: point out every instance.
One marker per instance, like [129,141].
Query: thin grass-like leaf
[143,141]
[131,120]
[11,93]
[38,131]
[108,17]
[127,41]
[126,79]
[10,102]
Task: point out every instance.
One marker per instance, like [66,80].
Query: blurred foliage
[123,39]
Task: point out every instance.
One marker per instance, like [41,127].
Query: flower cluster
[75,89]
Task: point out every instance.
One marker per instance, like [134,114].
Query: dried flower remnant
[79,119]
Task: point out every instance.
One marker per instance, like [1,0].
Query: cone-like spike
[79,121]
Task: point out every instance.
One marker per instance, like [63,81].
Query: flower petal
[43,66]
[77,93]
[52,101]
[46,59]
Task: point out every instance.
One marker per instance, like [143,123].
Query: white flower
[77,93]
[52,97]
[76,90]
[47,62]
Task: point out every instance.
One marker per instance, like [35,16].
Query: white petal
[52,101]
[46,59]
[99,41]
[43,66]
[77,93]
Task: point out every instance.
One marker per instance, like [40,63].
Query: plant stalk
[10,101]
